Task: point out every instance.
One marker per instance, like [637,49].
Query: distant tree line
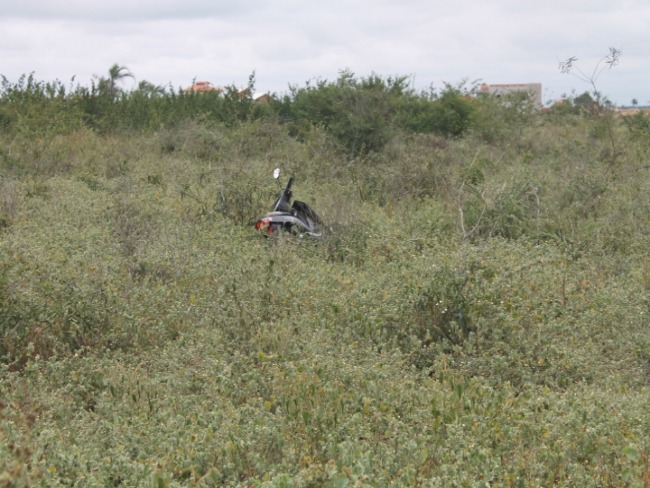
[360,113]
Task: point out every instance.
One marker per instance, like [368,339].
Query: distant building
[206,86]
[498,90]
[262,97]
[256,97]
[202,87]
[625,111]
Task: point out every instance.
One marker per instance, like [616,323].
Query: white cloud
[120,10]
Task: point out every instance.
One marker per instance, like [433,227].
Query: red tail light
[264,225]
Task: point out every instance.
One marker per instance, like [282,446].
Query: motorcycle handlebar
[282,203]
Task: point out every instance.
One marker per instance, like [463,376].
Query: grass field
[478,314]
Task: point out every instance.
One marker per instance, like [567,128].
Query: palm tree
[116,73]
[149,89]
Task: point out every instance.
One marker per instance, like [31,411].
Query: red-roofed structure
[202,87]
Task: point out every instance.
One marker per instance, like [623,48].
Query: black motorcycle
[296,218]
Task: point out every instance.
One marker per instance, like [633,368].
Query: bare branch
[567,66]
[613,57]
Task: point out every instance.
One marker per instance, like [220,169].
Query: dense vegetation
[476,316]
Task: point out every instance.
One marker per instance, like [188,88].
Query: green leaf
[632,453]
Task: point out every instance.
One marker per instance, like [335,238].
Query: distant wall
[534,89]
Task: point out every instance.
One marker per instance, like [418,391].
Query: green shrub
[510,212]
[442,310]
[638,126]
[449,115]
[503,119]
[359,114]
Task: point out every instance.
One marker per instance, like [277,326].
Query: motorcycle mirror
[276,173]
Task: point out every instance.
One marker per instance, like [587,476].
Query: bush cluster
[360,114]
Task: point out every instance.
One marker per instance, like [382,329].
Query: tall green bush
[360,113]
[449,114]
[35,108]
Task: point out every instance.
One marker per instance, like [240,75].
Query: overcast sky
[290,42]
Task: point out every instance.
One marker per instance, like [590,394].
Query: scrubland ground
[477,315]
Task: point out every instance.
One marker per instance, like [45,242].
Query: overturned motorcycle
[297,218]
